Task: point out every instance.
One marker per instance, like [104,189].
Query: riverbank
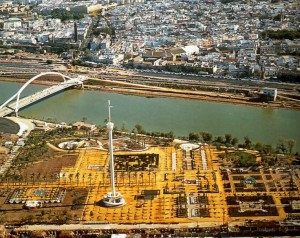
[105,83]
[24,80]
[126,88]
[194,95]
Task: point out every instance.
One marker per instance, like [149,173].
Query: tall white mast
[110,127]
[113,198]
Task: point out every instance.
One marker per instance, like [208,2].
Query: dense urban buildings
[238,38]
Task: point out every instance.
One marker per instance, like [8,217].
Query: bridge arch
[31,80]
[17,95]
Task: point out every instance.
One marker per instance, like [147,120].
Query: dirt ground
[49,213]
[47,167]
[42,174]
[50,167]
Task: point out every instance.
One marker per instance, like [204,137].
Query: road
[19,66]
[219,81]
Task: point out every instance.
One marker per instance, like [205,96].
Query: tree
[123,128]
[139,129]
[248,142]
[245,159]
[193,136]
[32,177]
[71,178]
[134,133]
[88,55]
[51,177]
[142,177]
[228,138]
[83,177]
[281,146]
[219,139]
[45,178]
[38,176]
[234,141]
[290,144]
[49,61]
[206,137]
[65,15]
[289,76]
[170,135]
[267,149]
[77,177]
[282,34]
[28,218]
[258,146]
[64,177]
[90,178]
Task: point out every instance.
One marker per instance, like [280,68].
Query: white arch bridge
[15,103]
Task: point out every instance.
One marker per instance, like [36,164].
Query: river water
[266,125]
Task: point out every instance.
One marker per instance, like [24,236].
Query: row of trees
[289,76]
[187,69]
[65,15]
[228,1]
[80,178]
[36,178]
[284,146]
[281,34]
[206,137]
[139,129]
[240,159]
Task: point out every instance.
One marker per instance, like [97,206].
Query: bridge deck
[10,108]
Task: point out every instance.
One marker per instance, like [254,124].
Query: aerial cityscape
[144,118]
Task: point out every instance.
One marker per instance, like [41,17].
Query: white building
[270,92]
[12,23]
[32,204]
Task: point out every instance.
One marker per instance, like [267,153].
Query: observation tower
[113,198]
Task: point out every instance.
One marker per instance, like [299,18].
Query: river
[266,125]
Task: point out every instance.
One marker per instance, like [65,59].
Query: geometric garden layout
[174,184]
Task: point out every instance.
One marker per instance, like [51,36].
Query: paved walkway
[95,226]
[26,125]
